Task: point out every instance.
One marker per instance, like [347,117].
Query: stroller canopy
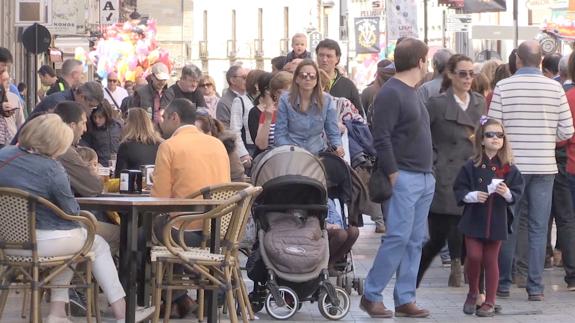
[289,174]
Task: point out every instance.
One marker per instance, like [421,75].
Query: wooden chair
[19,253]
[214,270]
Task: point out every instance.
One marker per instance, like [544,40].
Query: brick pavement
[445,303]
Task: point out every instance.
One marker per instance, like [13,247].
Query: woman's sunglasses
[493,134]
[463,74]
[206,85]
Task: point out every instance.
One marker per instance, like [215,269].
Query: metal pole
[443,26]
[425,39]
[386,28]
[515,24]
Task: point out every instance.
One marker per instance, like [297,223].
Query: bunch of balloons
[129,49]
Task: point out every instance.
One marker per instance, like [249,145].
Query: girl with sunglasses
[486,186]
[453,115]
[306,112]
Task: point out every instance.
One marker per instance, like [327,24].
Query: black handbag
[379,186]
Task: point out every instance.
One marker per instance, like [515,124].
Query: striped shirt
[535,114]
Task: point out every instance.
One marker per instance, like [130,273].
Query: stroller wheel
[283,312]
[331,312]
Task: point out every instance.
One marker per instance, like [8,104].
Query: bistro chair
[213,271]
[20,265]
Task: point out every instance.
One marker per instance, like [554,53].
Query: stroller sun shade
[290,174]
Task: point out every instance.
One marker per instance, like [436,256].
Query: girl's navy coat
[490,220]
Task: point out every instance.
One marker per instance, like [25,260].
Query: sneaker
[143,313]
[571,287]
[375,309]
[77,303]
[486,310]
[536,297]
[411,310]
[57,319]
[503,293]
[446,263]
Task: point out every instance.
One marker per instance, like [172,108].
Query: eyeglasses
[463,74]
[112,81]
[307,76]
[206,85]
[493,134]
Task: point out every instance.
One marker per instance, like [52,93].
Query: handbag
[379,186]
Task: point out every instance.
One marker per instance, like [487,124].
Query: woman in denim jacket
[305,113]
[32,167]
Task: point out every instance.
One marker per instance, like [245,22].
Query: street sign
[109,12]
[458,23]
[314,38]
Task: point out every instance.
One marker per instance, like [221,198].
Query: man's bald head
[529,52]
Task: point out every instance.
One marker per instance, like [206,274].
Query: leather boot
[455,276]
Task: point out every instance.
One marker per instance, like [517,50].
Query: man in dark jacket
[89,95]
[328,55]
[186,87]
[149,96]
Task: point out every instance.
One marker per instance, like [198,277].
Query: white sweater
[535,114]
[238,120]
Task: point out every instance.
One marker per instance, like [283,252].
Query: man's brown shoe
[411,310]
[375,309]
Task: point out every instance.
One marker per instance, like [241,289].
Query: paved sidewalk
[445,303]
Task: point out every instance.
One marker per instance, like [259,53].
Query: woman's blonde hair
[504,154]
[47,135]
[317,92]
[139,128]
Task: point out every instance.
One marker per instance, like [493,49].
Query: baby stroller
[289,261]
[340,186]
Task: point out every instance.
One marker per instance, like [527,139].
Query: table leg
[144,285]
[211,295]
[132,246]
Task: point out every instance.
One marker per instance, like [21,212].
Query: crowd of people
[480,157]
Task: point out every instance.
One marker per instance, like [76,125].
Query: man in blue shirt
[402,139]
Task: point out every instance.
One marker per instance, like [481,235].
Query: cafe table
[135,209]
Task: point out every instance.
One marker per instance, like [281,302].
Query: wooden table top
[143,201]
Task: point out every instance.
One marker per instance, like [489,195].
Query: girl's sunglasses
[493,134]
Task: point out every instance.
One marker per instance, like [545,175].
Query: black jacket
[490,220]
[104,140]
[344,88]
[174,92]
[132,155]
[60,86]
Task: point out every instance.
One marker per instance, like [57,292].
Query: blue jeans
[400,250]
[536,198]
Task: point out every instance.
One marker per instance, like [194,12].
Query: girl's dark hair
[450,68]
[263,85]
[504,154]
[501,72]
[104,109]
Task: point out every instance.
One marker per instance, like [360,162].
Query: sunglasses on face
[113,81]
[463,74]
[206,85]
[493,134]
[307,76]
